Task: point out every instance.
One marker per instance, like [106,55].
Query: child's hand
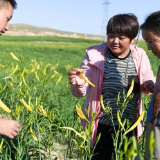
[148,86]
[9,128]
[75,77]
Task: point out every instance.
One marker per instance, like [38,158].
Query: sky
[79,16]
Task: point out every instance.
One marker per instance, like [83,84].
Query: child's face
[6,13]
[119,44]
[153,42]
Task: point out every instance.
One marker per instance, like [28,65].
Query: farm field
[34,86]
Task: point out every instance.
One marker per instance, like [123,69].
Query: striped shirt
[118,74]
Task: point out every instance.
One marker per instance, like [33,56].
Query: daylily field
[35,91]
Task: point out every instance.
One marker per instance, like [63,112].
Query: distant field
[56,49]
[39,76]
[47,49]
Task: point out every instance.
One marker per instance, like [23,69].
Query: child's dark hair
[152,23]
[123,24]
[12,2]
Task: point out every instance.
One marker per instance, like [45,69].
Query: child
[9,128]
[110,67]
[151,34]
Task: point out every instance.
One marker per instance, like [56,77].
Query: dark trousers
[105,148]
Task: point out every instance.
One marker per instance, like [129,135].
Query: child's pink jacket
[94,63]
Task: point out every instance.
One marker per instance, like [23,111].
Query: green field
[40,78]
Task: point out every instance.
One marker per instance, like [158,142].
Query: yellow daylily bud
[15,69]
[42,111]
[59,79]
[53,76]
[13,56]
[23,80]
[119,119]
[131,88]
[36,76]
[86,79]
[4,107]
[33,134]
[11,84]
[26,105]
[80,113]
[102,104]
[136,123]
[82,135]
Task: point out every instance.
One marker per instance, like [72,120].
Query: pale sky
[79,16]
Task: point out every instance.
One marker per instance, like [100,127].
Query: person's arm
[9,128]
[147,74]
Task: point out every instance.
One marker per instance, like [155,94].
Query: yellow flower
[80,113]
[13,56]
[15,69]
[102,104]
[86,79]
[136,123]
[53,76]
[55,72]
[1,144]
[38,66]
[82,135]
[33,70]
[23,80]
[20,84]
[45,68]
[42,111]
[18,110]
[131,88]
[107,109]
[68,66]
[119,120]
[59,79]
[36,76]
[4,107]
[26,105]
[33,134]
[11,84]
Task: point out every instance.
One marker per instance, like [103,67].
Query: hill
[29,30]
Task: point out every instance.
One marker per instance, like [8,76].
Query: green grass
[155,62]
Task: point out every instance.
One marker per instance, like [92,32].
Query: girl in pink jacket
[110,67]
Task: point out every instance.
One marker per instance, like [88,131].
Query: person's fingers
[72,73]
[17,125]
[71,81]
[14,133]
[16,129]
[76,71]
[10,136]
[72,76]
